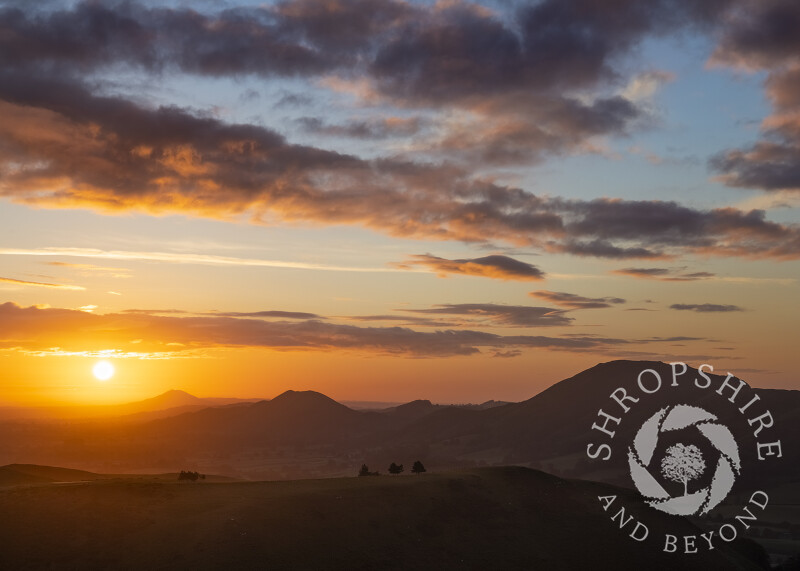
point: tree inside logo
(683, 463)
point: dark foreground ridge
(488, 518)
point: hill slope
(500, 518)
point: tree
(395, 469)
(683, 463)
(364, 470)
(418, 468)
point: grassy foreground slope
(492, 518)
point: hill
(20, 474)
(497, 518)
(170, 403)
(306, 434)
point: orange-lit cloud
(54, 331)
(494, 266)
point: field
(502, 518)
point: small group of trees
(191, 476)
(365, 471)
(417, 468)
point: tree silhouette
(364, 470)
(683, 463)
(418, 468)
(395, 469)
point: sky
(389, 200)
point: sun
(103, 370)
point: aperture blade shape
(723, 440)
(645, 483)
(646, 439)
(721, 485)
(683, 415)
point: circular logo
(683, 463)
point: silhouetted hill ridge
(492, 518)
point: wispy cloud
(498, 314)
(705, 307)
(664, 274)
(91, 268)
(573, 301)
(40, 284)
(184, 258)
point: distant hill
(307, 434)
(14, 475)
(170, 403)
(496, 518)
(553, 428)
(19, 474)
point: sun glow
(103, 370)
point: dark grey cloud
(604, 249)
(705, 307)
(494, 266)
(760, 34)
(460, 53)
(573, 301)
(498, 314)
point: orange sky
(454, 201)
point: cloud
(278, 314)
(40, 284)
(760, 36)
(497, 314)
(54, 331)
(664, 274)
(181, 258)
(705, 307)
(644, 86)
(572, 301)
(410, 320)
(527, 83)
(494, 266)
(269, 314)
(91, 268)
(373, 128)
(66, 147)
